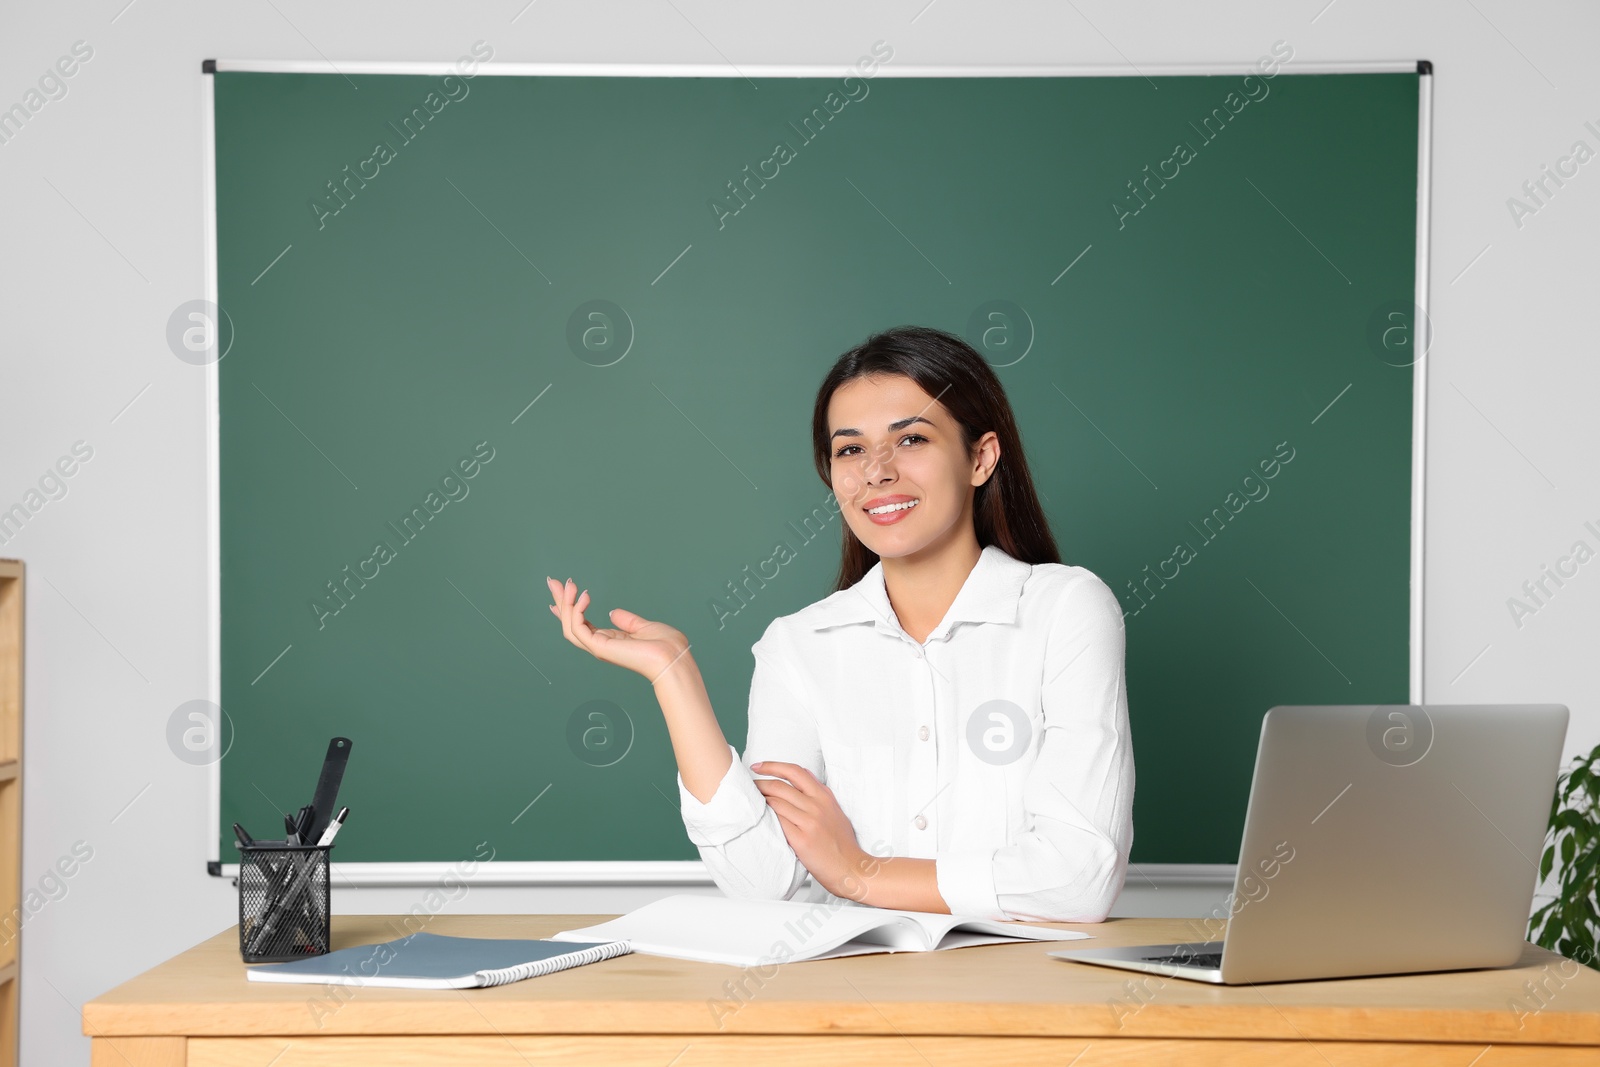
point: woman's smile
(886, 511)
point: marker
(240, 833)
(333, 828)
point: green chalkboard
(543, 281)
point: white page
(751, 933)
(745, 933)
(938, 928)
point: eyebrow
(899, 424)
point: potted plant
(1570, 924)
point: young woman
(947, 731)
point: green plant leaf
(1568, 819)
(1552, 931)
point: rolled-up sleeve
(1070, 860)
(738, 835)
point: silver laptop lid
(1391, 838)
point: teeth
(887, 508)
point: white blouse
(999, 748)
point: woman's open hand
(640, 645)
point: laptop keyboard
(1211, 960)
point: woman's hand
(645, 647)
(817, 829)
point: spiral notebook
(434, 961)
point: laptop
(1387, 839)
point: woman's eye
(903, 440)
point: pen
(326, 839)
(293, 877)
(333, 827)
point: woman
(947, 731)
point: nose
(877, 459)
(873, 472)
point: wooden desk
(996, 1005)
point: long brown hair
(1005, 509)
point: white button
(922, 822)
(922, 733)
(917, 652)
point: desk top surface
(1013, 989)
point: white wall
(102, 240)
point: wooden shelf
(9, 769)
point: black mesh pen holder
(284, 897)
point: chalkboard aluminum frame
(692, 872)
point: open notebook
(751, 933)
(434, 961)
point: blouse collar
(990, 594)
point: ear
(988, 457)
